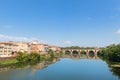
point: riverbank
(115, 65)
(7, 62)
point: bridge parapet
(86, 50)
(80, 50)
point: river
(65, 69)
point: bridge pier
(79, 54)
(71, 53)
(87, 54)
(96, 54)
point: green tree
(34, 57)
(22, 57)
(111, 53)
(51, 52)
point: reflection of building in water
(6, 68)
(39, 66)
(43, 65)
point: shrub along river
(64, 69)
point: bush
(22, 57)
(51, 52)
(112, 53)
(34, 57)
(43, 57)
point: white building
(7, 49)
(22, 46)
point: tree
(34, 57)
(51, 52)
(111, 53)
(22, 57)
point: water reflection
(40, 65)
(82, 64)
(115, 71)
(34, 66)
(82, 56)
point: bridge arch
(75, 52)
(83, 53)
(91, 53)
(67, 52)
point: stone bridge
(79, 51)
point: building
(58, 49)
(22, 46)
(46, 47)
(7, 49)
(55, 48)
(39, 48)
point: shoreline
(115, 65)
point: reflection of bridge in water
(90, 53)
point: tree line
(111, 53)
(34, 57)
(77, 47)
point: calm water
(65, 69)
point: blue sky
(61, 22)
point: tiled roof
(9, 43)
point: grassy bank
(6, 62)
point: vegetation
(43, 57)
(67, 53)
(111, 53)
(77, 47)
(22, 57)
(51, 53)
(8, 62)
(34, 57)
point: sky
(94, 23)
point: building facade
(7, 49)
(22, 46)
(55, 48)
(39, 48)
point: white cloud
(118, 31)
(67, 42)
(13, 38)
